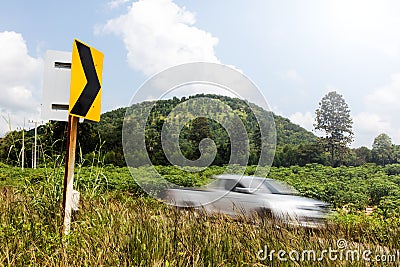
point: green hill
(111, 124)
(106, 136)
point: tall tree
(362, 155)
(333, 117)
(396, 154)
(382, 149)
(200, 129)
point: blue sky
(295, 51)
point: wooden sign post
(72, 132)
(84, 102)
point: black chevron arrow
(92, 86)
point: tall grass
(114, 228)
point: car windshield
(276, 187)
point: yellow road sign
(86, 74)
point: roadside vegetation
(118, 225)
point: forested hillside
(103, 141)
(105, 137)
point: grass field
(117, 225)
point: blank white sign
(56, 85)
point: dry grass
(115, 229)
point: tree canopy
(333, 118)
(382, 148)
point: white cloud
(294, 76)
(117, 3)
(18, 98)
(386, 98)
(366, 23)
(381, 115)
(390, 49)
(370, 123)
(159, 34)
(305, 120)
(20, 75)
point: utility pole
(22, 153)
(23, 146)
(35, 146)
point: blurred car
(237, 195)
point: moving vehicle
(237, 195)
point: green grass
(117, 225)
